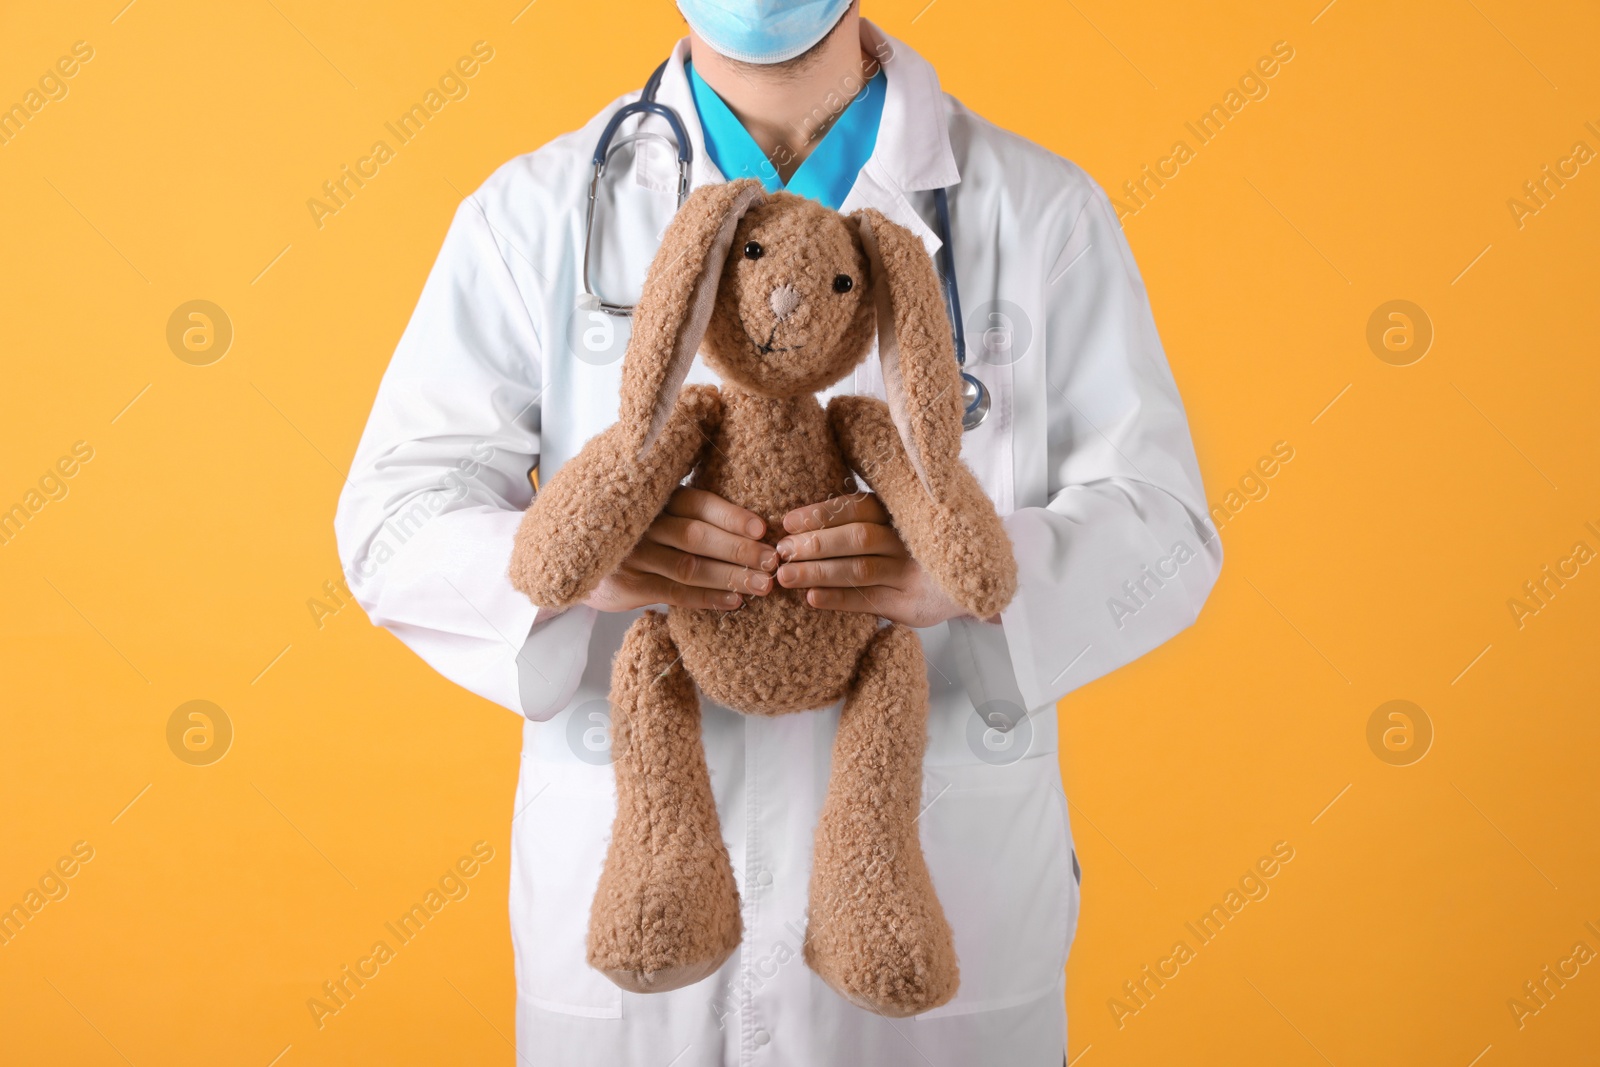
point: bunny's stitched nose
(784, 299)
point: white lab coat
(1086, 453)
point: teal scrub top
(826, 175)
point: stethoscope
(974, 394)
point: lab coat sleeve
(1123, 556)
(440, 480)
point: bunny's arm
(957, 535)
(582, 525)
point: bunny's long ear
(920, 377)
(675, 306)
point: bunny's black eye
(752, 250)
(843, 284)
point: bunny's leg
(877, 934)
(666, 912)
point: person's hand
(701, 552)
(847, 557)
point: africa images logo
(1136, 193)
(1253, 886)
(453, 84)
(453, 885)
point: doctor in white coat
(1085, 451)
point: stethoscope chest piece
(974, 402)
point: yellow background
(1379, 566)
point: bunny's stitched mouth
(768, 348)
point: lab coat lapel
(913, 147)
(913, 151)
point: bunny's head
(794, 309)
(783, 298)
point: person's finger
(701, 572)
(836, 511)
(851, 539)
(849, 572)
(704, 539)
(655, 589)
(699, 504)
(870, 600)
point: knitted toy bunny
(793, 311)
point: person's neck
(788, 107)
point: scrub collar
(826, 175)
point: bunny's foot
(666, 911)
(876, 933)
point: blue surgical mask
(762, 31)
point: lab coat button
(761, 1037)
(764, 878)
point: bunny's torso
(772, 456)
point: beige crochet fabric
(757, 284)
